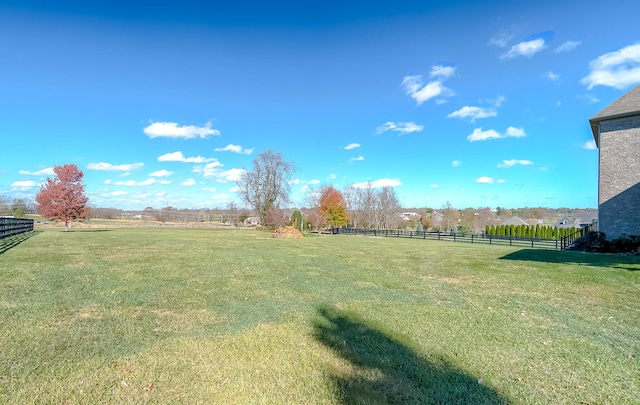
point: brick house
(616, 131)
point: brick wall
(619, 180)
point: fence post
(471, 238)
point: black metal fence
(486, 239)
(14, 226)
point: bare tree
(266, 185)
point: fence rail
(486, 239)
(14, 226)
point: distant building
(616, 131)
(514, 221)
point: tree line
(530, 231)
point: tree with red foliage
(62, 198)
(333, 206)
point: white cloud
(473, 113)
(434, 185)
(179, 157)
(551, 76)
(515, 132)
(44, 172)
(209, 170)
(416, 89)
(189, 182)
(590, 145)
(501, 181)
(294, 181)
(617, 69)
(212, 189)
(117, 193)
(230, 175)
(23, 184)
(161, 173)
(352, 146)
(332, 176)
(379, 183)
(525, 48)
(402, 127)
(567, 46)
(480, 135)
(235, 149)
(173, 130)
(131, 183)
(484, 180)
(314, 182)
(234, 189)
(443, 72)
(455, 163)
(114, 168)
(357, 159)
(512, 162)
(164, 182)
(221, 196)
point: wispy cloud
(421, 92)
(114, 168)
(315, 181)
(357, 159)
(352, 146)
(210, 170)
(378, 183)
(189, 182)
(44, 172)
(173, 130)
(484, 180)
(500, 40)
(473, 113)
(455, 163)
(618, 69)
(512, 162)
(551, 76)
(525, 48)
(231, 175)
(434, 186)
(179, 157)
(590, 145)
(401, 127)
(131, 183)
(480, 135)
(567, 46)
(161, 173)
(235, 149)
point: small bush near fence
(597, 242)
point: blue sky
(165, 103)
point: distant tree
(275, 217)
(19, 208)
(62, 198)
(332, 206)
(266, 184)
(296, 220)
(449, 217)
(419, 229)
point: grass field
(204, 316)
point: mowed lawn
(187, 316)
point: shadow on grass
(13, 241)
(388, 371)
(618, 261)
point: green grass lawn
(204, 316)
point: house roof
(627, 105)
(515, 221)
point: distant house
(616, 131)
(252, 221)
(514, 221)
(578, 222)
